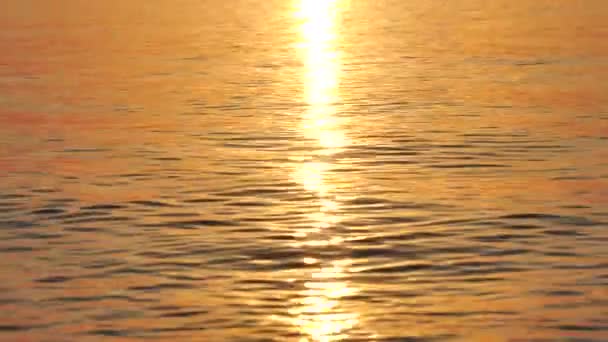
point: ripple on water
(267, 181)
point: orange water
(304, 170)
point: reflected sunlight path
(317, 311)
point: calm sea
(304, 170)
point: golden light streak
(317, 311)
(322, 72)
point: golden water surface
(304, 170)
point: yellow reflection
(318, 312)
(322, 69)
(310, 175)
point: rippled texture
(304, 170)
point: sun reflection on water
(318, 311)
(318, 20)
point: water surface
(304, 170)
